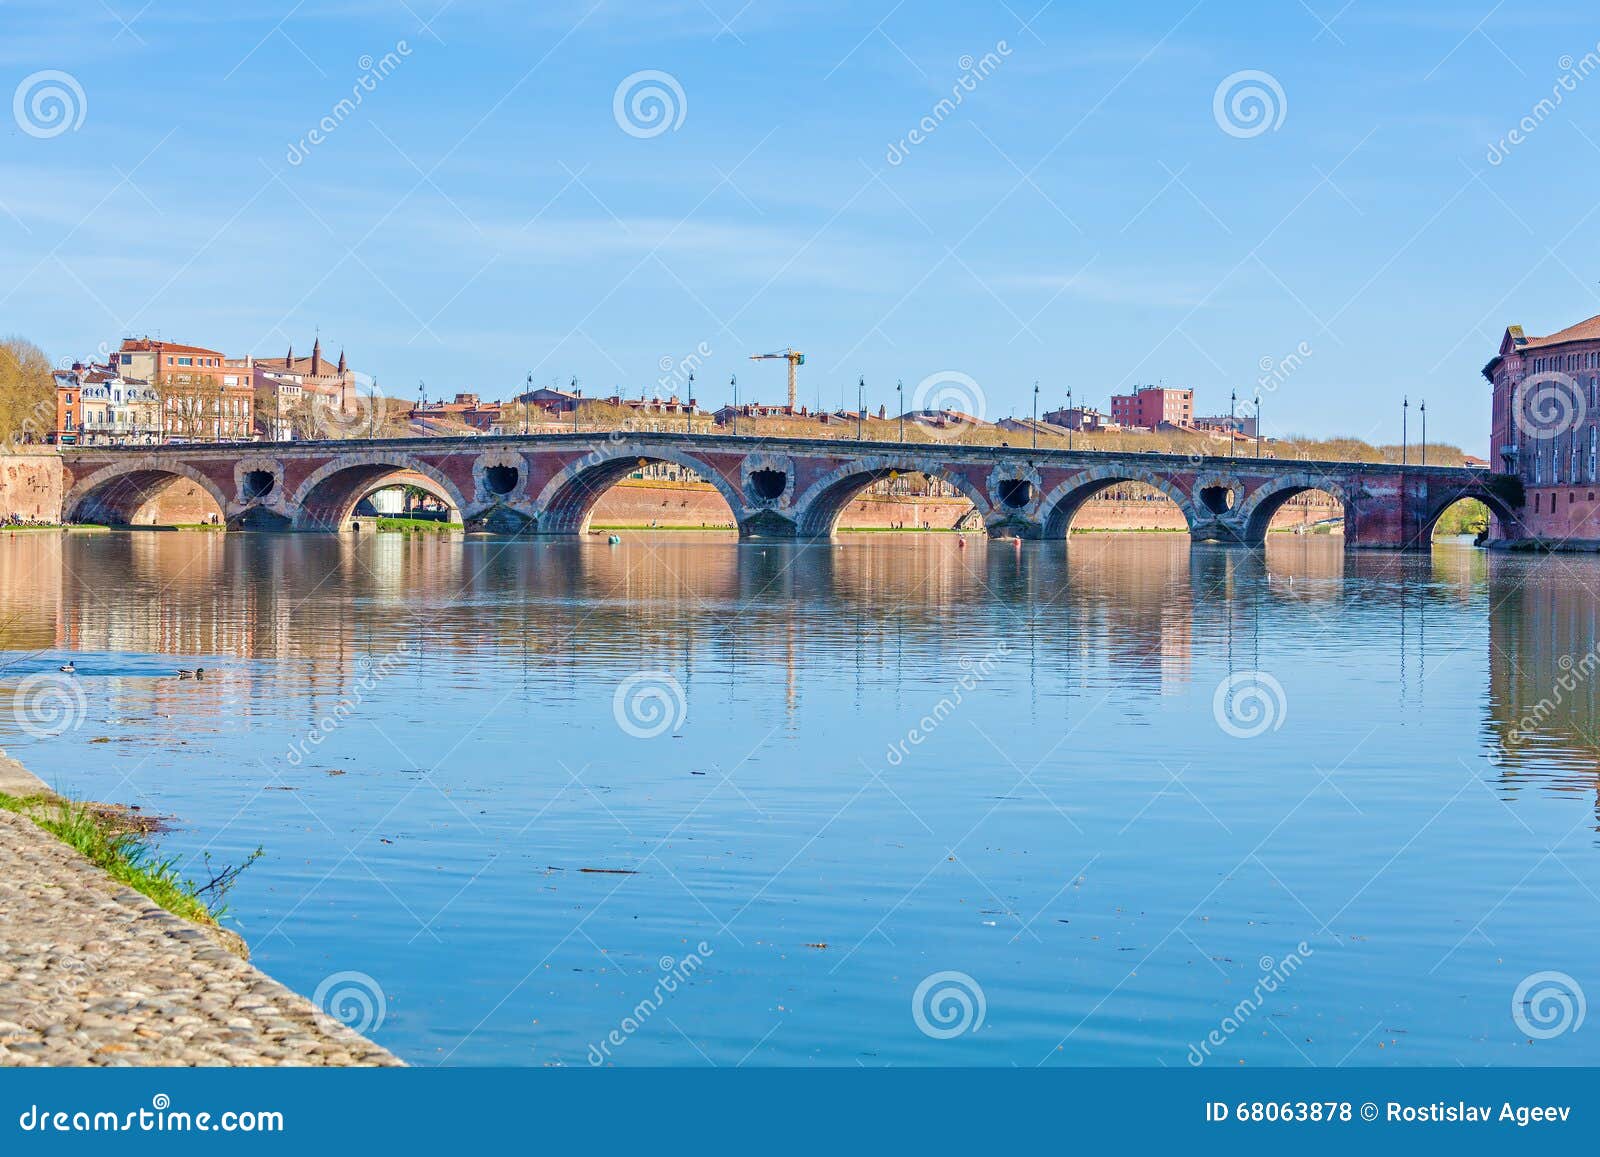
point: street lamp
(1258, 424)
(1035, 415)
(574, 389)
(900, 404)
(1405, 415)
(1424, 411)
(1069, 417)
(733, 381)
(1233, 406)
(527, 400)
(688, 420)
(861, 390)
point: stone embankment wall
(30, 486)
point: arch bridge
(774, 487)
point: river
(686, 801)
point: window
(186, 361)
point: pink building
(1152, 407)
(1546, 403)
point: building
(466, 410)
(1243, 424)
(1083, 418)
(1545, 405)
(1152, 407)
(95, 406)
(552, 399)
(284, 384)
(204, 395)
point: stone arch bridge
(777, 488)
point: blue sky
(1083, 217)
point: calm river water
(1119, 802)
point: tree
(27, 393)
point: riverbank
(94, 973)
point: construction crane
(794, 358)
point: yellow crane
(794, 358)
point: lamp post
(688, 420)
(574, 389)
(1258, 425)
(1035, 415)
(1423, 409)
(1069, 417)
(900, 404)
(1233, 406)
(1405, 416)
(861, 414)
(527, 400)
(733, 381)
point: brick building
(1152, 407)
(96, 406)
(1544, 410)
(205, 396)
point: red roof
(1583, 331)
(145, 344)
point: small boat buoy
(614, 539)
(962, 543)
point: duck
(67, 668)
(197, 673)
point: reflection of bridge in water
(774, 488)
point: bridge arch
(819, 507)
(1509, 524)
(1255, 514)
(1061, 505)
(569, 498)
(326, 499)
(116, 494)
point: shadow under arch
(1510, 525)
(567, 500)
(118, 494)
(326, 499)
(820, 506)
(1061, 505)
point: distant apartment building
(204, 395)
(1083, 418)
(1152, 407)
(96, 406)
(466, 409)
(1241, 424)
(1545, 427)
(283, 386)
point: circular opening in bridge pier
(1016, 492)
(768, 485)
(1217, 499)
(257, 484)
(501, 480)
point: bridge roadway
(774, 487)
